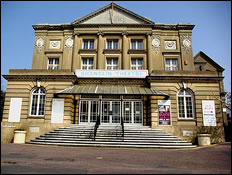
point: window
(137, 64)
(53, 63)
(136, 44)
(38, 102)
(112, 44)
(112, 63)
(88, 44)
(171, 65)
(87, 63)
(185, 104)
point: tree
(228, 99)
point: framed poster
(164, 112)
(208, 109)
(15, 109)
(57, 110)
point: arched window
(38, 101)
(185, 104)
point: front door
(110, 113)
(132, 112)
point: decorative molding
(155, 42)
(100, 33)
(39, 43)
(68, 42)
(186, 42)
(54, 44)
(170, 45)
(124, 33)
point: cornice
(40, 77)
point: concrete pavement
(33, 159)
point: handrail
(122, 124)
(96, 126)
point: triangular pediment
(113, 14)
(202, 58)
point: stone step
(110, 136)
(115, 139)
(116, 145)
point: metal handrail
(96, 126)
(122, 124)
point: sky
(211, 34)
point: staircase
(111, 136)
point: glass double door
(110, 112)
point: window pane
(115, 61)
(140, 45)
(133, 61)
(168, 61)
(140, 62)
(91, 45)
(90, 61)
(84, 61)
(108, 61)
(50, 61)
(85, 45)
(56, 61)
(115, 44)
(133, 45)
(109, 44)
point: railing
(122, 124)
(96, 126)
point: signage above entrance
(111, 73)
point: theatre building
(118, 67)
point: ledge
(112, 51)
(137, 51)
(87, 51)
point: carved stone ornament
(186, 43)
(155, 42)
(39, 43)
(54, 44)
(68, 42)
(170, 44)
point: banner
(164, 112)
(209, 117)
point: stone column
(100, 58)
(125, 57)
(154, 111)
(149, 53)
(76, 58)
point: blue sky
(212, 20)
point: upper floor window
(87, 64)
(112, 63)
(38, 101)
(137, 64)
(171, 65)
(53, 63)
(88, 44)
(185, 104)
(112, 44)
(136, 44)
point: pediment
(202, 58)
(113, 14)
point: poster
(209, 117)
(164, 112)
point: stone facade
(65, 43)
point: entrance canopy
(111, 90)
